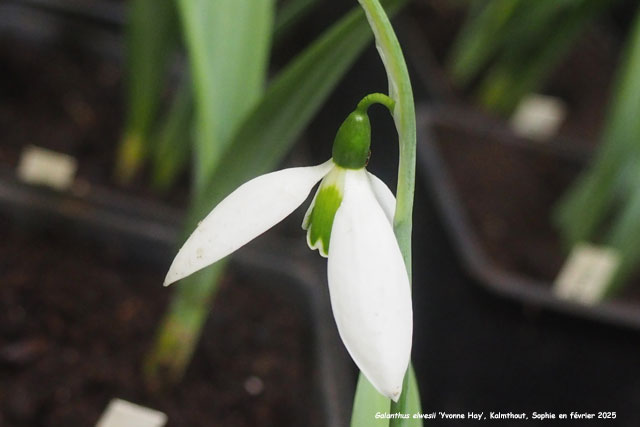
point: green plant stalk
(228, 43)
(171, 145)
(151, 37)
(405, 120)
(590, 199)
(181, 327)
(261, 142)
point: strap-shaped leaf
(480, 37)
(607, 197)
(287, 107)
(152, 34)
(172, 141)
(592, 197)
(538, 41)
(290, 13)
(368, 401)
(228, 43)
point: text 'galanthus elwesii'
(350, 222)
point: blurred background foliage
(506, 50)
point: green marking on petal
(319, 221)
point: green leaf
(171, 145)
(590, 200)
(152, 34)
(291, 12)
(228, 43)
(368, 402)
(410, 404)
(606, 200)
(540, 37)
(181, 327)
(291, 101)
(481, 36)
(623, 236)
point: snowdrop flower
(350, 222)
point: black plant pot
(483, 225)
(488, 339)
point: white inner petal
(369, 287)
(246, 213)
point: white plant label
(538, 117)
(45, 167)
(120, 413)
(586, 273)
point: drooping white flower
(350, 222)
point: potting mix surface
(76, 321)
(508, 191)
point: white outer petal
(384, 196)
(369, 287)
(242, 216)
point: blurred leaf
(480, 37)
(152, 34)
(172, 142)
(518, 42)
(291, 12)
(536, 44)
(409, 404)
(589, 202)
(368, 402)
(228, 46)
(607, 196)
(228, 43)
(624, 236)
(181, 326)
(290, 102)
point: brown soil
(76, 321)
(508, 193)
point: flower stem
(376, 98)
(404, 116)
